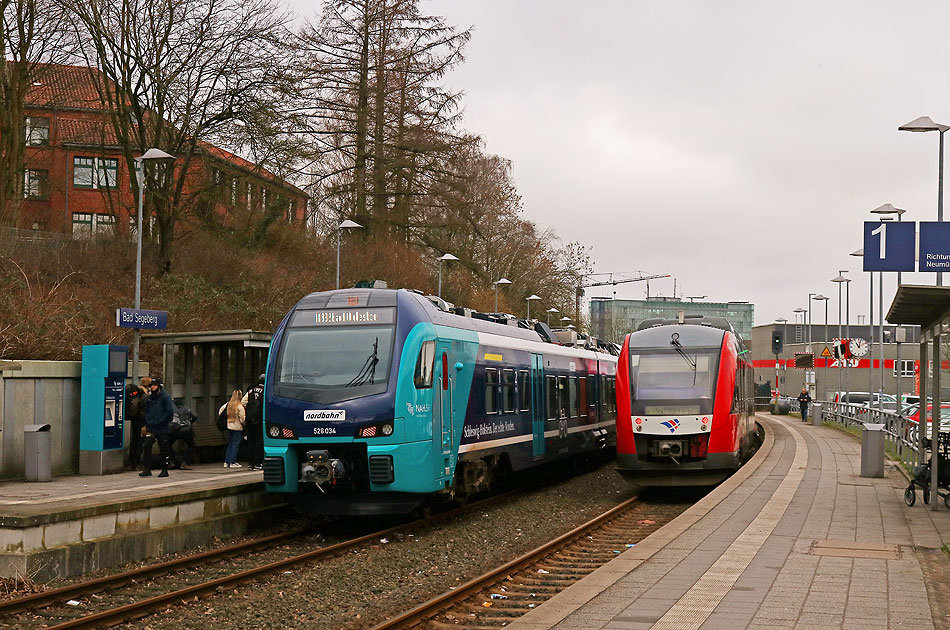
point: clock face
(859, 347)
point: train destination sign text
(343, 317)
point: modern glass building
(612, 319)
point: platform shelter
(929, 308)
(201, 369)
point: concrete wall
(41, 392)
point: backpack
(222, 421)
(254, 412)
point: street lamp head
(924, 123)
(447, 257)
(349, 224)
(533, 297)
(888, 209)
(840, 278)
(155, 154)
(503, 281)
(553, 310)
(857, 252)
(781, 319)
(800, 310)
(821, 297)
(565, 319)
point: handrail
(900, 432)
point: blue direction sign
(889, 246)
(141, 318)
(934, 246)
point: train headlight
(278, 432)
(387, 429)
(273, 431)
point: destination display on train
(343, 317)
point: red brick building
(77, 181)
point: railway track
(497, 597)
(118, 598)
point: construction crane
(610, 282)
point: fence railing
(900, 432)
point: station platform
(75, 524)
(795, 539)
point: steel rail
(141, 608)
(79, 589)
(433, 606)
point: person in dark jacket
(159, 411)
(135, 413)
(803, 400)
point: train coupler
(320, 469)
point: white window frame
(30, 137)
(907, 368)
(29, 192)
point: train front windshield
(329, 356)
(670, 383)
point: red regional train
(685, 402)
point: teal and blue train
(380, 401)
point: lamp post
(839, 281)
(551, 310)
(783, 321)
(151, 154)
(860, 253)
(441, 258)
(810, 297)
(529, 300)
(497, 282)
(922, 124)
(824, 299)
(343, 226)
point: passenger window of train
(591, 391)
(491, 390)
(551, 400)
(508, 390)
(573, 397)
(562, 396)
(611, 395)
(424, 366)
(524, 389)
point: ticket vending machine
(102, 409)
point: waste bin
(872, 450)
(36, 452)
(815, 414)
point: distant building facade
(76, 179)
(612, 319)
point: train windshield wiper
(367, 373)
(691, 360)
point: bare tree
(32, 35)
(177, 74)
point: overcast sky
(735, 145)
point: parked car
(913, 419)
(868, 400)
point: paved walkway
(795, 539)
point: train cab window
(562, 397)
(524, 390)
(491, 390)
(551, 398)
(573, 397)
(508, 390)
(424, 365)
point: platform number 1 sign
(889, 246)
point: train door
(444, 429)
(537, 404)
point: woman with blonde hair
(235, 411)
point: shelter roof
(249, 338)
(921, 305)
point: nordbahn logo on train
(324, 415)
(672, 425)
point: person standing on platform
(803, 400)
(253, 402)
(159, 411)
(235, 414)
(135, 397)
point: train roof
(689, 335)
(488, 323)
(697, 320)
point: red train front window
(667, 382)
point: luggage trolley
(921, 478)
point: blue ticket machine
(102, 409)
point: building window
(82, 225)
(35, 184)
(107, 172)
(104, 225)
(36, 131)
(84, 172)
(907, 367)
